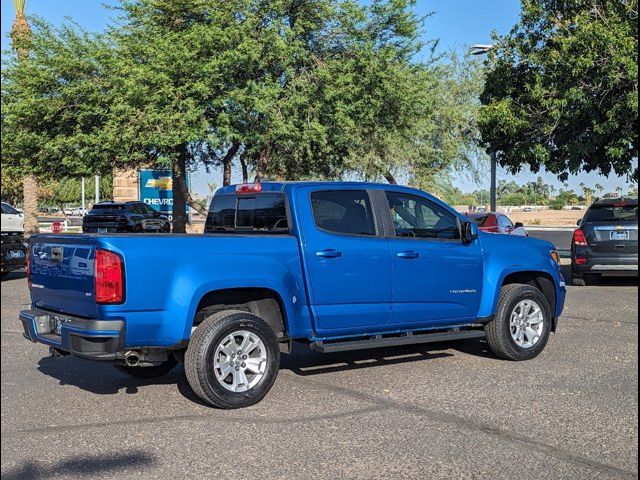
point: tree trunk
(263, 162)
(226, 164)
(390, 178)
(20, 33)
(30, 204)
(181, 195)
(245, 170)
(179, 174)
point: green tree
(288, 88)
(568, 197)
(587, 193)
(561, 90)
(56, 102)
(68, 190)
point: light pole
(483, 49)
(82, 194)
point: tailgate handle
(56, 254)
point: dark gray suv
(606, 242)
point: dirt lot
(564, 218)
(546, 218)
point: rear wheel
(521, 327)
(137, 229)
(149, 372)
(579, 281)
(232, 359)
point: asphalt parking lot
(447, 410)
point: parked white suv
(12, 219)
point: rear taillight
(109, 277)
(579, 238)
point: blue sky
(456, 23)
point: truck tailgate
(62, 269)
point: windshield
(620, 212)
(478, 219)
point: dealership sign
(156, 190)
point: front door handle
(329, 253)
(408, 254)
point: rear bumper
(93, 228)
(82, 337)
(606, 265)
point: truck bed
(165, 276)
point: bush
(557, 204)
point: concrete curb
(542, 228)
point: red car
(497, 223)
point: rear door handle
(329, 253)
(408, 254)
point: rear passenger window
(343, 211)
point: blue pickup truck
(338, 266)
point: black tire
(200, 355)
(579, 281)
(137, 229)
(166, 228)
(149, 372)
(498, 330)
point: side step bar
(408, 339)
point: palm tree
(600, 189)
(20, 31)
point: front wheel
(521, 327)
(232, 359)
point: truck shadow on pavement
(104, 379)
(81, 466)
(100, 378)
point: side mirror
(469, 232)
(518, 225)
(578, 222)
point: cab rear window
(259, 213)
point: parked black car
(135, 217)
(606, 242)
(13, 255)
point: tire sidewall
(234, 323)
(526, 293)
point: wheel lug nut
(243, 365)
(237, 368)
(244, 357)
